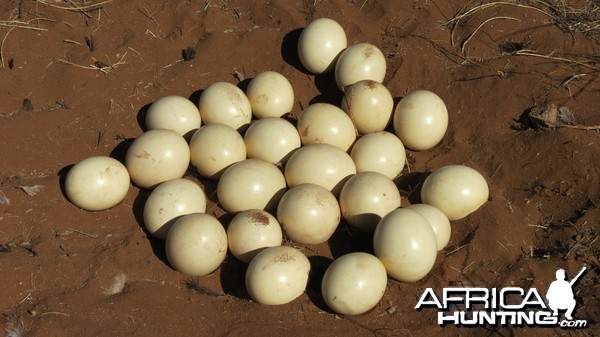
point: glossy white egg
(406, 245)
(456, 190)
(196, 244)
(169, 201)
(271, 139)
(366, 198)
(362, 61)
(354, 283)
(438, 221)
(173, 113)
(214, 147)
(97, 183)
(277, 275)
(250, 184)
(379, 152)
(223, 102)
(325, 123)
(308, 214)
(420, 120)
(369, 104)
(320, 45)
(270, 95)
(157, 156)
(251, 231)
(322, 164)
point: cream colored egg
(277, 275)
(223, 102)
(214, 147)
(456, 190)
(250, 184)
(173, 113)
(196, 244)
(362, 61)
(321, 164)
(354, 283)
(157, 156)
(169, 201)
(438, 221)
(379, 152)
(405, 243)
(328, 124)
(308, 214)
(320, 45)
(420, 120)
(251, 231)
(270, 95)
(272, 139)
(369, 104)
(97, 183)
(366, 198)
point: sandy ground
(75, 82)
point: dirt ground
(76, 79)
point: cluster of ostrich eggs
(295, 178)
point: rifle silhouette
(574, 279)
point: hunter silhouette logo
(560, 294)
(508, 306)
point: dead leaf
(544, 116)
(32, 190)
(566, 115)
(549, 116)
(4, 199)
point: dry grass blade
(75, 7)
(462, 48)
(226, 6)
(2, 47)
(98, 65)
(13, 24)
(21, 25)
(466, 12)
(527, 52)
(475, 9)
(579, 127)
(585, 20)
